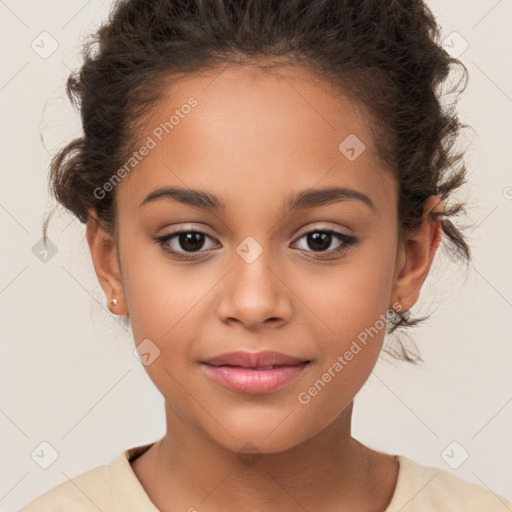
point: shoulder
(109, 487)
(85, 492)
(425, 488)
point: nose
(254, 294)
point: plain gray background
(69, 375)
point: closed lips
(269, 367)
(254, 373)
(265, 360)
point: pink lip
(241, 371)
(253, 359)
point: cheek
(348, 306)
(160, 292)
(347, 300)
(353, 319)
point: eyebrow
(313, 198)
(197, 198)
(305, 199)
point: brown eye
(192, 241)
(183, 242)
(321, 241)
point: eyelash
(348, 242)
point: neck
(329, 471)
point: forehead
(253, 130)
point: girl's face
(264, 275)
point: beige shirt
(114, 487)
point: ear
(105, 260)
(415, 255)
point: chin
(261, 435)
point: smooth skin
(253, 139)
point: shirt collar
(127, 491)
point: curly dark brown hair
(384, 53)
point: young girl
(264, 186)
